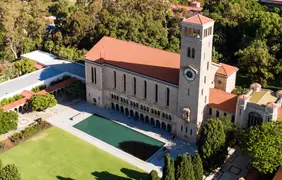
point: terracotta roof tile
(198, 19)
(226, 70)
(14, 104)
(187, 8)
(27, 94)
(142, 59)
(57, 86)
(278, 175)
(222, 100)
(138, 58)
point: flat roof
(53, 61)
(263, 97)
(27, 80)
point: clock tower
(194, 74)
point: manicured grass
(55, 154)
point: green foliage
(42, 102)
(153, 175)
(6, 101)
(30, 130)
(10, 172)
(2, 146)
(38, 88)
(23, 66)
(211, 144)
(263, 144)
(66, 77)
(258, 62)
(240, 90)
(185, 170)
(197, 167)
(168, 169)
(76, 89)
(8, 121)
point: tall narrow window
(210, 111)
(205, 79)
(189, 52)
(208, 65)
(95, 78)
(202, 92)
(167, 96)
(124, 82)
(156, 93)
(217, 113)
(193, 53)
(205, 99)
(188, 92)
(134, 86)
(115, 79)
(145, 89)
(191, 132)
(92, 74)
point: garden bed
(24, 135)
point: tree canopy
(264, 146)
(42, 102)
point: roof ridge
(132, 42)
(200, 19)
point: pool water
(119, 136)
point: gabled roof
(198, 19)
(226, 70)
(27, 94)
(222, 100)
(156, 63)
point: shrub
(60, 80)
(30, 130)
(2, 145)
(8, 121)
(9, 172)
(38, 88)
(75, 89)
(6, 101)
(42, 102)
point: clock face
(189, 74)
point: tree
(153, 175)
(8, 121)
(10, 172)
(186, 168)
(42, 102)
(211, 144)
(75, 90)
(168, 169)
(258, 62)
(264, 146)
(197, 167)
(23, 66)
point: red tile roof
(38, 66)
(226, 70)
(14, 104)
(278, 175)
(135, 57)
(187, 8)
(27, 94)
(57, 86)
(198, 19)
(222, 100)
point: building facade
(175, 92)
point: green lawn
(56, 154)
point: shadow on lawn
(64, 178)
(131, 174)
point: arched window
(254, 119)
(189, 52)
(193, 53)
(167, 96)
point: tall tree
(211, 144)
(186, 168)
(168, 169)
(197, 167)
(264, 146)
(23, 66)
(153, 175)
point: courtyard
(55, 154)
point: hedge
(30, 130)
